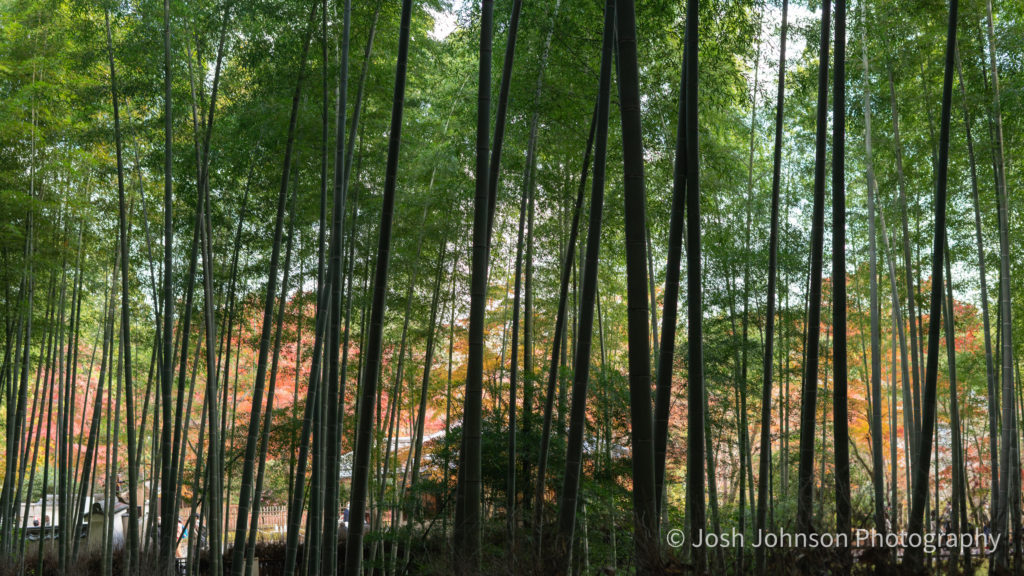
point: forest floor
(431, 554)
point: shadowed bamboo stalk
(581, 375)
(644, 496)
(919, 495)
(764, 462)
(878, 474)
(369, 381)
(809, 392)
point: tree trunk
(557, 345)
(494, 167)
(248, 465)
(920, 472)
(1008, 495)
(809, 394)
(167, 339)
(85, 485)
(126, 344)
(669, 314)
(335, 397)
(912, 315)
(764, 463)
(250, 544)
(900, 334)
(581, 374)
(492, 190)
(529, 374)
(990, 378)
(428, 363)
(368, 386)
(958, 512)
(743, 424)
(878, 474)
(644, 496)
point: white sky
(445, 22)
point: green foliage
(57, 172)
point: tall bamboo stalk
(764, 463)
(809, 392)
(368, 385)
(920, 473)
(574, 447)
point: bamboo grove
(570, 287)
